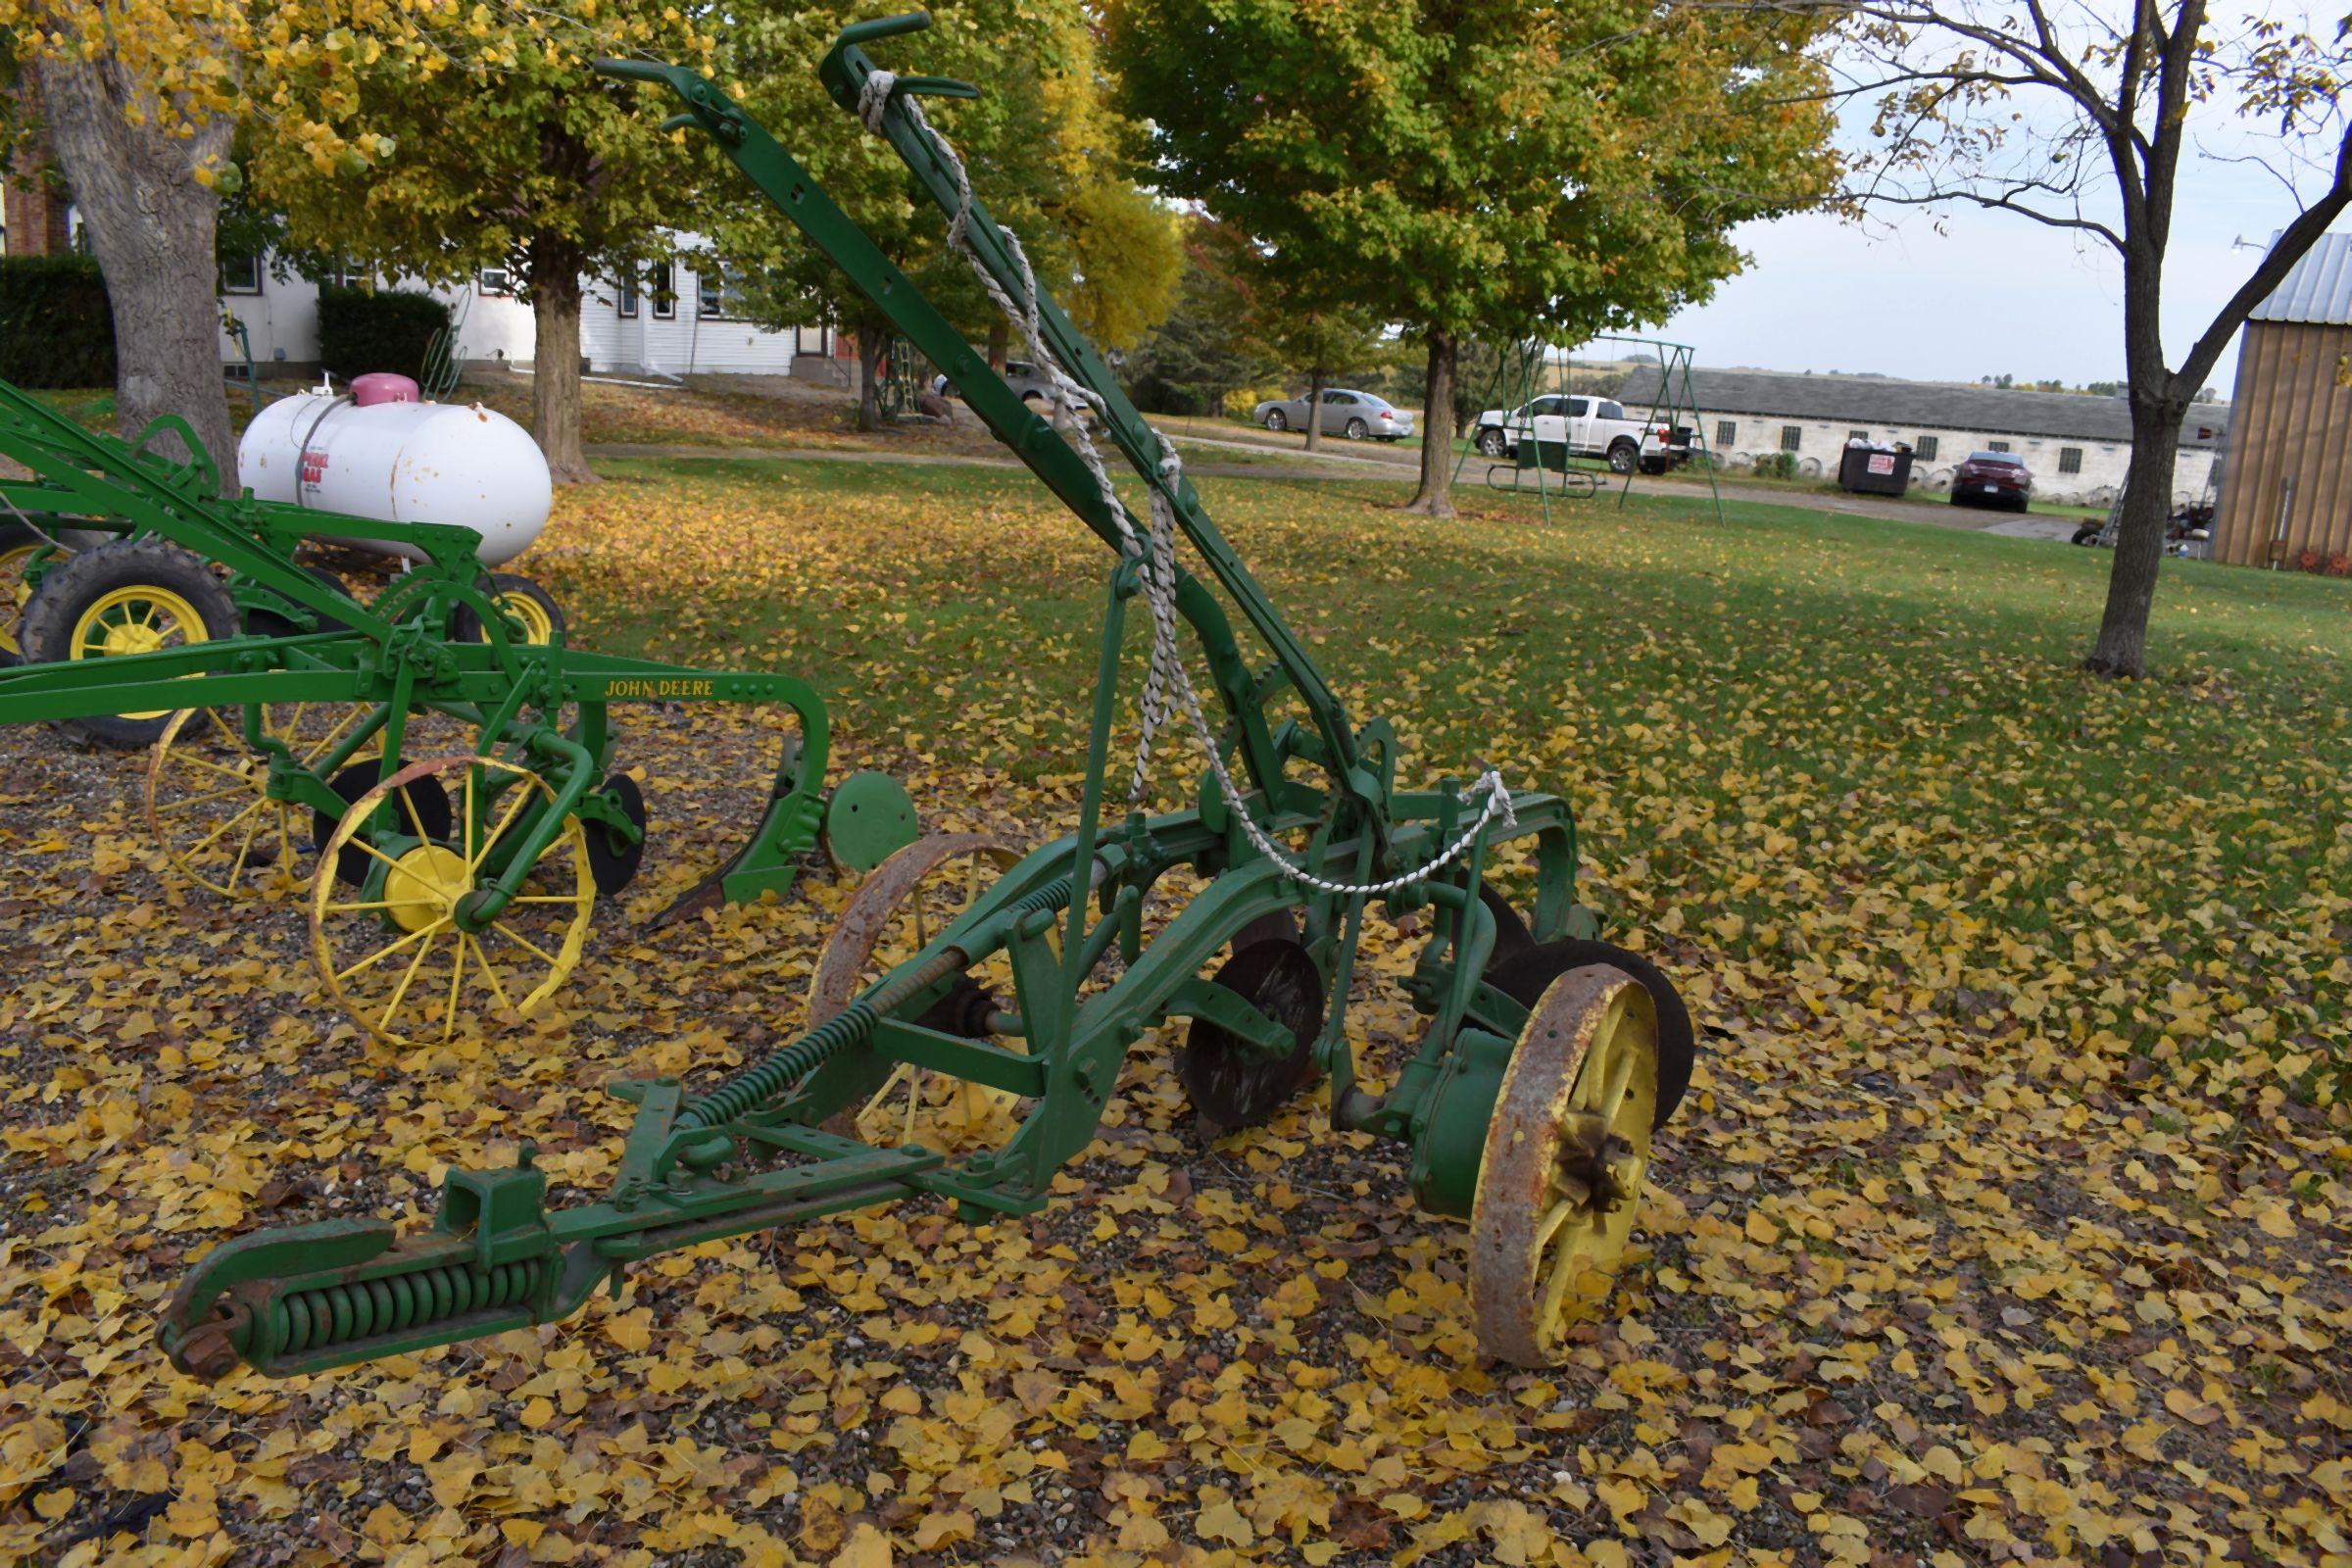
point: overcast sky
(1992, 294)
(1995, 293)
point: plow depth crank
(967, 1028)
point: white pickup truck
(1590, 427)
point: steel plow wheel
(406, 953)
(1565, 1155)
(207, 796)
(897, 911)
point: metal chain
(1157, 554)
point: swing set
(1529, 368)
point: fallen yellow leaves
(2005, 1221)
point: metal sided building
(2286, 495)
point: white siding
(1821, 443)
(283, 323)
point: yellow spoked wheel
(402, 952)
(18, 546)
(207, 804)
(1564, 1159)
(901, 906)
(143, 618)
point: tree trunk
(1435, 495)
(2122, 642)
(151, 227)
(555, 371)
(1000, 345)
(1314, 409)
(869, 371)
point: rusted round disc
(1565, 1154)
(1230, 1083)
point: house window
(666, 292)
(718, 293)
(627, 302)
(495, 281)
(1925, 451)
(1727, 434)
(2070, 459)
(1862, 436)
(241, 274)
(1996, 446)
(1792, 436)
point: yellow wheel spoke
(205, 842)
(545, 898)
(237, 868)
(481, 957)
(365, 848)
(354, 908)
(502, 929)
(456, 979)
(408, 803)
(385, 953)
(522, 795)
(186, 800)
(401, 989)
(222, 768)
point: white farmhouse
(668, 327)
(2075, 447)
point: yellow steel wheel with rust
(1564, 1159)
(19, 544)
(207, 797)
(900, 907)
(122, 598)
(403, 955)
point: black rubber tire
(2088, 535)
(1623, 456)
(1276, 422)
(1490, 441)
(270, 623)
(1358, 429)
(78, 581)
(466, 626)
(1654, 466)
(1524, 977)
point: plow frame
(754, 1152)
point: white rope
(1157, 554)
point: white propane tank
(440, 462)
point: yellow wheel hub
(530, 614)
(138, 619)
(423, 886)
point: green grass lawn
(1853, 762)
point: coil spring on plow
(339, 1314)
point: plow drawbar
(967, 1026)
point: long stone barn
(2075, 447)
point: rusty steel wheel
(897, 911)
(1565, 1155)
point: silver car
(1029, 383)
(1358, 416)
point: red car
(1992, 479)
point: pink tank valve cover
(383, 386)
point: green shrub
(56, 329)
(1777, 466)
(360, 330)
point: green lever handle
(640, 69)
(882, 28)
